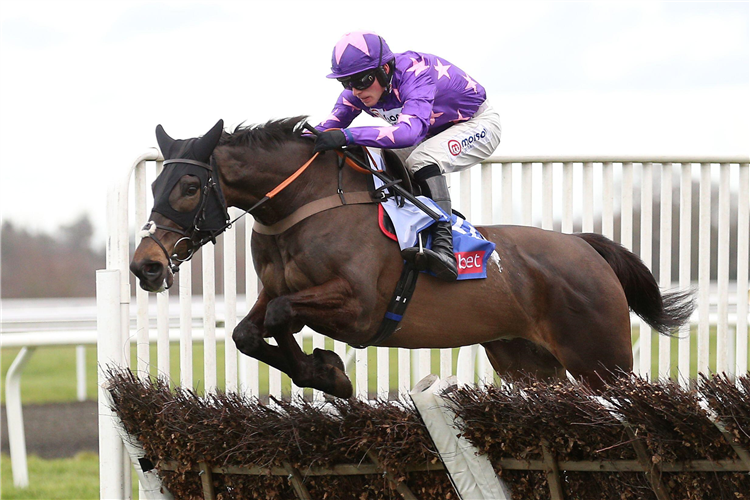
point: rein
(191, 235)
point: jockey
(439, 121)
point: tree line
(50, 265)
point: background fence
(648, 204)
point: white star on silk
(386, 132)
(470, 84)
(347, 103)
(442, 69)
(417, 67)
(331, 117)
(404, 118)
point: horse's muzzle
(153, 275)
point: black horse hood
(210, 216)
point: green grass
(74, 478)
(50, 374)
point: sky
(84, 83)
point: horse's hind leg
(595, 347)
(518, 357)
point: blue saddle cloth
(471, 249)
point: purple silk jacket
(429, 95)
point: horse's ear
(206, 144)
(163, 139)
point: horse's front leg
(249, 337)
(332, 303)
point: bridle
(195, 235)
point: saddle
(395, 169)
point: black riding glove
(330, 139)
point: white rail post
(704, 268)
(587, 219)
(186, 325)
(14, 412)
(722, 275)
(646, 251)
(665, 261)
(527, 194)
(486, 371)
(567, 198)
(506, 214)
(110, 353)
(360, 370)
(81, 372)
(547, 196)
(608, 219)
(626, 229)
(743, 257)
(142, 298)
(686, 198)
(626, 210)
(404, 372)
(209, 317)
(163, 362)
(466, 366)
(383, 373)
(230, 307)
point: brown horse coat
(550, 302)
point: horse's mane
(270, 135)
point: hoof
(342, 386)
(325, 373)
(321, 356)
(333, 381)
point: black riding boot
(439, 260)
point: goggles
(360, 81)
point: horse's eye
(191, 190)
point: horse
(551, 302)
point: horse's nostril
(152, 270)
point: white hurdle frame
(567, 193)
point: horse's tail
(664, 313)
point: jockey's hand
(330, 139)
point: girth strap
(312, 208)
(397, 306)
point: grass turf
(75, 478)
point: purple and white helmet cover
(358, 51)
